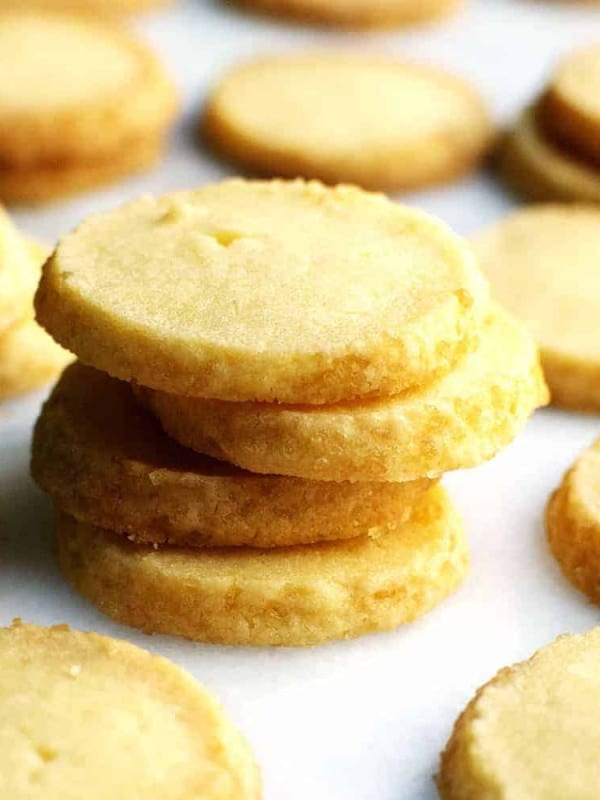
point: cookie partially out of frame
(533, 731)
(83, 715)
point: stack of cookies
(28, 356)
(82, 104)
(277, 374)
(554, 151)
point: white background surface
(361, 720)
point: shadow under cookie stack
(273, 376)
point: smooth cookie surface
(104, 460)
(271, 290)
(288, 596)
(17, 285)
(382, 124)
(542, 263)
(533, 731)
(457, 421)
(573, 523)
(100, 91)
(82, 715)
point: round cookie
(17, 284)
(356, 13)
(265, 290)
(457, 421)
(42, 182)
(83, 715)
(105, 460)
(540, 170)
(533, 731)
(573, 523)
(288, 596)
(29, 358)
(570, 108)
(106, 7)
(542, 263)
(99, 94)
(382, 124)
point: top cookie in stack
(329, 341)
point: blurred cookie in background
(379, 123)
(356, 13)
(542, 263)
(82, 102)
(106, 7)
(553, 152)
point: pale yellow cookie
(570, 109)
(40, 183)
(289, 596)
(99, 94)
(104, 460)
(543, 266)
(86, 716)
(533, 732)
(356, 13)
(540, 170)
(456, 421)
(382, 124)
(29, 358)
(106, 7)
(17, 284)
(573, 523)
(267, 290)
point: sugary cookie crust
(290, 596)
(456, 421)
(320, 116)
(532, 731)
(17, 284)
(573, 523)
(40, 184)
(62, 692)
(542, 265)
(356, 13)
(93, 124)
(540, 170)
(104, 460)
(268, 290)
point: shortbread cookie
(106, 7)
(41, 183)
(356, 13)
(104, 460)
(540, 170)
(457, 421)
(570, 109)
(573, 523)
(83, 715)
(543, 266)
(269, 290)
(288, 596)
(29, 358)
(101, 92)
(17, 285)
(382, 124)
(533, 732)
